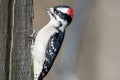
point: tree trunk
(20, 47)
(15, 25)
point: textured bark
(15, 25)
(4, 50)
(20, 56)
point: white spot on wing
(55, 49)
(46, 59)
(45, 67)
(51, 53)
(43, 74)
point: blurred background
(91, 48)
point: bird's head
(61, 13)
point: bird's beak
(47, 8)
(50, 11)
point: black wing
(52, 50)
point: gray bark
(4, 43)
(20, 56)
(15, 25)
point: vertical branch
(11, 21)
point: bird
(49, 39)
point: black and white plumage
(52, 49)
(49, 40)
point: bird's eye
(57, 12)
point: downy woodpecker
(49, 39)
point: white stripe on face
(63, 10)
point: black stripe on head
(66, 17)
(62, 15)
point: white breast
(38, 52)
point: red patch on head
(70, 12)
